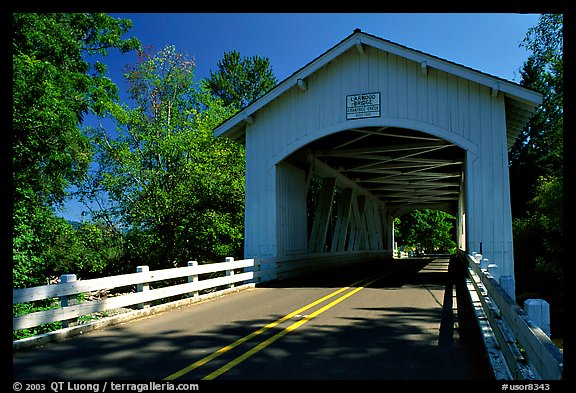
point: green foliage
(539, 239)
(52, 91)
(536, 164)
(538, 151)
(46, 246)
(168, 191)
(88, 251)
(54, 87)
(239, 81)
(32, 230)
(176, 190)
(536, 173)
(426, 230)
(27, 308)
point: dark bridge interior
(402, 167)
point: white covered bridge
(366, 132)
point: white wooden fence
(236, 272)
(517, 348)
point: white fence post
(229, 272)
(493, 270)
(193, 278)
(142, 287)
(477, 257)
(69, 300)
(538, 311)
(507, 283)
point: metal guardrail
(517, 348)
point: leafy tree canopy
(426, 230)
(538, 151)
(239, 81)
(176, 190)
(54, 86)
(536, 167)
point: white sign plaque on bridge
(360, 106)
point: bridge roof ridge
(525, 99)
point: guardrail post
(229, 272)
(538, 311)
(507, 283)
(143, 286)
(193, 278)
(68, 300)
(493, 270)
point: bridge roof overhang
(521, 102)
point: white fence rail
(518, 349)
(236, 272)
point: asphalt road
(392, 320)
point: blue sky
(488, 42)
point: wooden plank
(369, 225)
(72, 288)
(355, 224)
(352, 232)
(364, 244)
(373, 227)
(322, 215)
(380, 227)
(292, 232)
(392, 85)
(402, 92)
(360, 222)
(342, 220)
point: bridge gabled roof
(521, 102)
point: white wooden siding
(443, 101)
(291, 221)
(260, 204)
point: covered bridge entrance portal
(368, 131)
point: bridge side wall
(487, 190)
(453, 108)
(292, 229)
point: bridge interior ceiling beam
(401, 167)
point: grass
(27, 308)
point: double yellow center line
(361, 284)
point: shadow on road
(387, 343)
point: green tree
(54, 86)
(177, 192)
(536, 169)
(426, 230)
(239, 81)
(538, 150)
